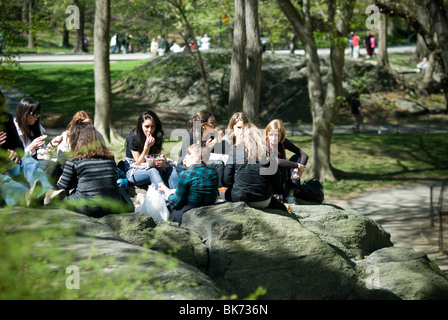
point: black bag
(311, 190)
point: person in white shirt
(205, 42)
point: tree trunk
(440, 17)
(254, 52)
(383, 58)
(65, 37)
(324, 107)
(31, 23)
(437, 14)
(238, 63)
(103, 99)
(79, 42)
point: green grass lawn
(370, 162)
(65, 89)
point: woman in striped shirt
(90, 175)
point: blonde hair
(201, 151)
(254, 145)
(279, 126)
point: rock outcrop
(172, 82)
(317, 252)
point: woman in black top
(146, 139)
(290, 170)
(249, 173)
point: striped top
(90, 177)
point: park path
(404, 212)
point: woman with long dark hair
(31, 133)
(145, 142)
(27, 121)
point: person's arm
(68, 179)
(296, 150)
(228, 176)
(180, 197)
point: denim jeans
(13, 192)
(144, 177)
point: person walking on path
(356, 112)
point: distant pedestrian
(113, 43)
(205, 42)
(350, 40)
(1, 43)
(356, 112)
(161, 43)
(372, 44)
(355, 40)
(154, 47)
(367, 44)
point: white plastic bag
(154, 205)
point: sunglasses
(34, 114)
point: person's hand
(37, 143)
(160, 161)
(13, 157)
(298, 171)
(2, 137)
(56, 141)
(150, 140)
(220, 134)
(162, 187)
(210, 143)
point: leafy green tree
(426, 17)
(325, 104)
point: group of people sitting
(251, 166)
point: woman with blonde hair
(248, 174)
(292, 170)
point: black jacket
(246, 181)
(7, 125)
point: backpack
(311, 190)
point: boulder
(411, 108)
(141, 230)
(109, 267)
(319, 251)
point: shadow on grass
(414, 157)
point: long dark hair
(28, 106)
(140, 137)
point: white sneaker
(52, 195)
(34, 195)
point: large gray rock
(140, 229)
(107, 263)
(318, 251)
(250, 248)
